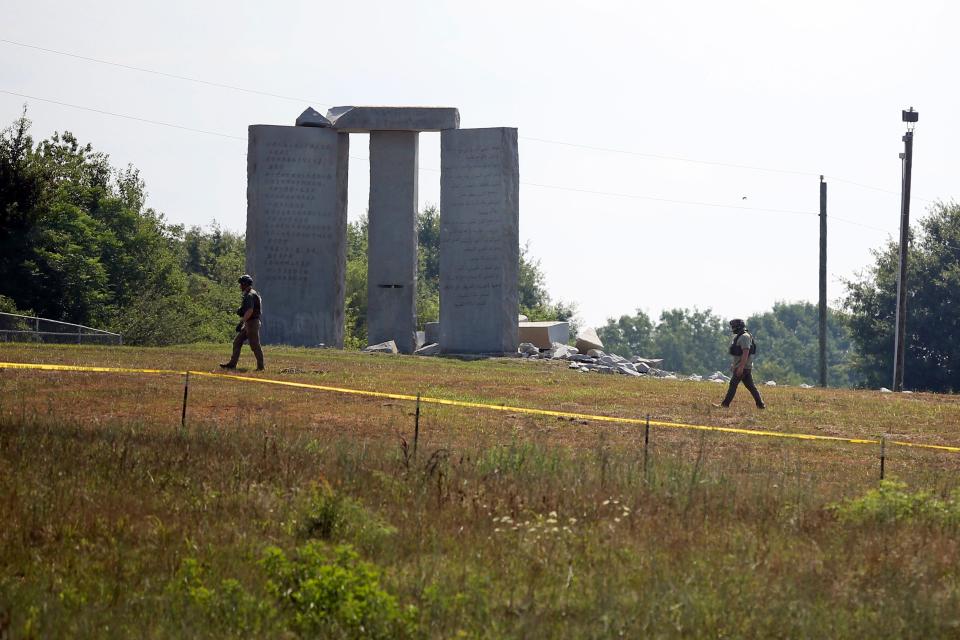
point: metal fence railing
(18, 328)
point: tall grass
(264, 528)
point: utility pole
(823, 283)
(910, 117)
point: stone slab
(479, 240)
(351, 119)
(588, 339)
(544, 334)
(296, 231)
(392, 239)
(432, 349)
(384, 347)
(431, 332)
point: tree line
(79, 244)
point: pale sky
(799, 88)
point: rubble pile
(597, 360)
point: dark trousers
(747, 379)
(251, 333)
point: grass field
(282, 512)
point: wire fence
(18, 328)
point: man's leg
(752, 388)
(253, 334)
(237, 345)
(731, 390)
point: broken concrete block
(593, 353)
(563, 352)
(544, 334)
(522, 318)
(431, 332)
(432, 349)
(642, 368)
(587, 339)
(528, 348)
(312, 118)
(384, 347)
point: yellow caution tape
(477, 405)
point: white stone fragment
(384, 347)
(528, 348)
(563, 352)
(428, 350)
(587, 339)
(544, 334)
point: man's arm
(247, 314)
(744, 357)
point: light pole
(910, 117)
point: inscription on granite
(296, 231)
(479, 240)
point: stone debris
(770, 383)
(312, 118)
(588, 339)
(529, 349)
(384, 347)
(650, 362)
(806, 386)
(562, 352)
(718, 376)
(544, 334)
(885, 390)
(432, 349)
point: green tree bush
(78, 244)
(932, 340)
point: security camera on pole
(910, 117)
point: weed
(335, 594)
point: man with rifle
(248, 329)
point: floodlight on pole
(899, 350)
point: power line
(531, 184)
(714, 163)
(668, 200)
(120, 115)
(175, 76)
(641, 154)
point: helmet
(245, 280)
(737, 325)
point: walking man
(248, 328)
(742, 351)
